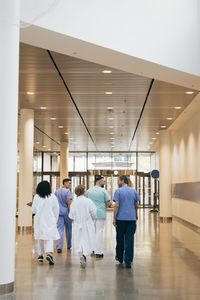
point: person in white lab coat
(46, 210)
(83, 213)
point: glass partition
(77, 162)
(47, 163)
(37, 162)
(55, 160)
(111, 161)
(84, 165)
(144, 162)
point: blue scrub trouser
(125, 239)
(64, 222)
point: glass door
(144, 189)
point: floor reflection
(166, 265)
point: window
(144, 162)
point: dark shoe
(99, 255)
(83, 261)
(117, 259)
(49, 258)
(128, 266)
(69, 248)
(59, 250)
(40, 258)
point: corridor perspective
(166, 266)
(99, 149)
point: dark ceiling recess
(70, 95)
(46, 135)
(141, 113)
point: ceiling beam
(70, 95)
(141, 113)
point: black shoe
(49, 258)
(83, 261)
(128, 266)
(117, 259)
(99, 255)
(69, 248)
(40, 258)
(59, 250)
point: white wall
(145, 35)
(186, 160)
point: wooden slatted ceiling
(88, 85)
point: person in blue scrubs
(125, 216)
(64, 197)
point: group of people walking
(83, 219)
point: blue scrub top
(62, 195)
(127, 197)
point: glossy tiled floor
(166, 266)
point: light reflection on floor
(166, 266)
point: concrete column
(165, 174)
(63, 161)
(26, 167)
(9, 62)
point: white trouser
(48, 246)
(99, 235)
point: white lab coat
(46, 212)
(83, 212)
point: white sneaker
(83, 261)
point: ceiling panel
(88, 86)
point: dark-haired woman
(46, 210)
(83, 212)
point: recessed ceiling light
(177, 107)
(43, 107)
(66, 133)
(110, 118)
(44, 146)
(189, 92)
(150, 143)
(30, 93)
(111, 132)
(163, 126)
(60, 126)
(37, 143)
(111, 127)
(108, 93)
(112, 138)
(106, 71)
(109, 107)
(153, 138)
(49, 149)
(53, 119)
(157, 133)
(170, 119)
